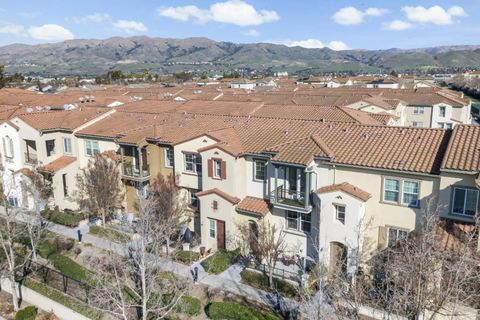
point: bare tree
(170, 211)
(39, 189)
(266, 242)
(99, 186)
(135, 286)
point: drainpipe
(140, 161)
(275, 174)
(307, 188)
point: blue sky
(338, 24)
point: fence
(57, 280)
(279, 273)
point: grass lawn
(70, 268)
(63, 299)
(260, 281)
(110, 234)
(235, 311)
(220, 261)
(186, 257)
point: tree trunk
(103, 217)
(167, 251)
(270, 277)
(34, 249)
(13, 287)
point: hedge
(69, 219)
(260, 281)
(28, 313)
(189, 305)
(69, 302)
(45, 249)
(220, 261)
(235, 311)
(186, 257)
(110, 234)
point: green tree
(2, 76)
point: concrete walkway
(228, 281)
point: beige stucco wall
(448, 180)
(425, 118)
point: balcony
(31, 158)
(133, 172)
(289, 197)
(291, 189)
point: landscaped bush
(70, 268)
(63, 244)
(189, 305)
(69, 219)
(260, 281)
(46, 248)
(235, 311)
(186, 257)
(28, 313)
(220, 261)
(63, 299)
(110, 234)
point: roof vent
(365, 135)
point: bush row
(69, 219)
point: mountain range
(89, 57)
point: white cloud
(315, 44)
(94, 17)
(397, 25)
(12, 29)
(252, 33)
(434, 15)
(235, 12)
(50, 32)
(129, 26)
(350, 15)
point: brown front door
(220, 235)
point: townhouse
(335, 180)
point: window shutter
(4, 147)
(382, 238)
(210, 168)
(11, 147)
(224, 170)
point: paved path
(228, 280)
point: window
(193, 163)
(65, 187)
(91, 147)
(299, 221)
(13, 201)
(418, 110)
(410, 193)
(417, 124)
(67, 145)
(169, 158)
(445, 125)
(465, 201)
(395, 235)
(217, 168)
(391, 190)
(212, 226)
(8, 146)
(259, 170)
(442, 111)
(193, 201)
(50, 145)
(340, 213)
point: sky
(337, 24)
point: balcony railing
(132, 171)
(289, 197)
(31, 158)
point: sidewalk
(228, 280)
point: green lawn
(69, 219)
(220, 261)
(70, 268)
(110, 234)
(186, 257)
(67, 301)
(260, 281)
(235, 311)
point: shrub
(189, 305)
(28, 313)
(260, 281)
(69, 219)
(63, 244)
(61, 298)
(220, 261)
(235, 311)
(110, 234)
(186, 257)
(46, 249)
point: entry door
(220, 235)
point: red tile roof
(57, 164)
(347, 188)
(463, 152)
(254, 205)
(218, 192)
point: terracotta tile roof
(254, 205)
(463, 152)
(347, 188)
(57, 164)
(226, 196)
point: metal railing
(278, 273)
(130, 170)
(286, 196)
(31, 158)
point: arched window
(8, 146)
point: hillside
(93, 57)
